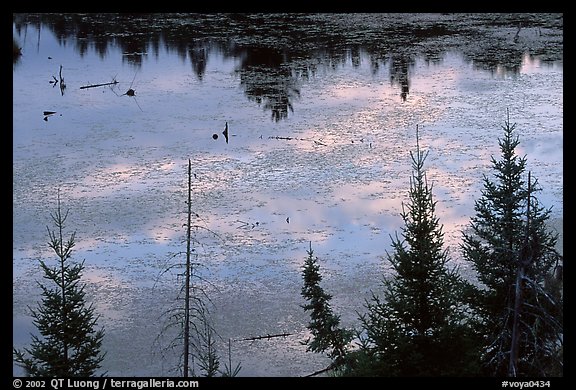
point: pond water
(317, 152)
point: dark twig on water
(62, 84)
(270, 336)
(246, 225)
(287, 138)
(225, 132)
(297, 139)
(132, 93)
(60, 81)
(47, 114)
(99, 85)
(329, 368)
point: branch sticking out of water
(62, 84)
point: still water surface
(316, 153)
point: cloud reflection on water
(341, 180)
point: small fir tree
(327, 335)
(419, 326)
(514, 255)
(69, 345)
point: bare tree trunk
(188, 274)
(523, 260)
(62, 255)
(517, 304)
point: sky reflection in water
(340, 179)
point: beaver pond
(321, 113)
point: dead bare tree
(190, 317)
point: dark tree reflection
(198, 58)
(278, 51)
(399, 67)
(133, 50)
(268, 80)
(16, 52)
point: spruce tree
(513, 253)
(418, 327)
(69, 345)
(327, 335)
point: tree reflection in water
(267, 80)
(276, 50)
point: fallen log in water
(99, 85)
(270, 336)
